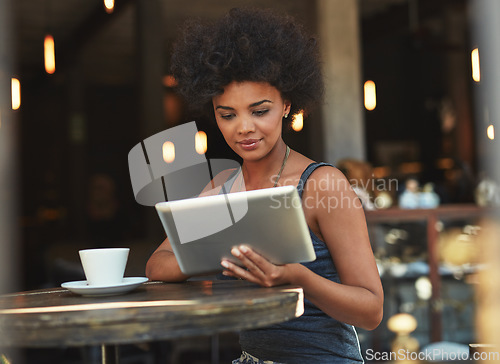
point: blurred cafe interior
(410, 115)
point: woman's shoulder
(324, 169)
(327, 178)
(315, 175)
(319, 169)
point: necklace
(287, 153)
(283, 164)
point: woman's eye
(227, 116)
(260, 112)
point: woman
(253, 69)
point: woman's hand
(259, 269)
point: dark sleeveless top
(313, 337)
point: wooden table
(154, 311)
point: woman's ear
(287, 108)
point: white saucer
(82, 288)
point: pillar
(77, 134)
(151, 64)
(9, 219)
(343, 124)
(487, 29)
(458, 78)
(151, 67)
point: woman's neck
(262, 173)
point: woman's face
(249, 115)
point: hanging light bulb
(476, 71)
(298, 121)
(168, 150)
(370, 95)
(200, 142)
(109, 6)
(49, 54)
(16, 93)
(490, 132)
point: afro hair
(247, 45)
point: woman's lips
(249, 144)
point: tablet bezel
(274, 226)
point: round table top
(153, 311)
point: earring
(286, 115)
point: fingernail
(235, 252)
(224, 264)
(244, 249)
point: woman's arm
(336, 215)
(342, 225)
(163, 266)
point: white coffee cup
(104, 266)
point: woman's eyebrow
(251, 105)
(223, 107)
(260, 102)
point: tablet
(203, 230)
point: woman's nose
(246, 126)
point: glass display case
(427, 260)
